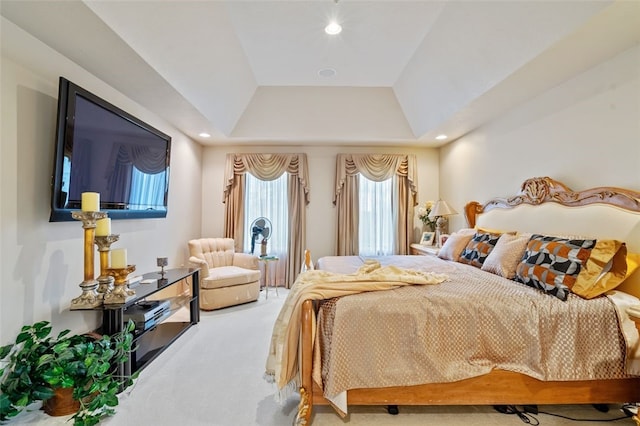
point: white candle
(90, 201)
(119, 258)
(103, 227)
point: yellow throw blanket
(282, 362)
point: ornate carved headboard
(546, 206)
(540, 190)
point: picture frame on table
(427, 238)
(443, 239)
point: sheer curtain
(268, 199)
(375, 224)
(375, 167)
(269, 167)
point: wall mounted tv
(101, 148)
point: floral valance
(375, 167)
(266, 167)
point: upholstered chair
(227, 278)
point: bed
(592, 353)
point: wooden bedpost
(306, 390)
(471, 210)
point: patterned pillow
(552, 264)
(506, 255)
(454, 245)
(478, 248)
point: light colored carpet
(212, 375)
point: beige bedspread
(465, 327)
(282, 361)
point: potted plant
(37, 365)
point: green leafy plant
(37, 363)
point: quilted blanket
(469, 325)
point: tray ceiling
(405, 71)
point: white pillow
(454, 245)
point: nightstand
(419, 249)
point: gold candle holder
(121, 292)
(105, 281)
(89, 298)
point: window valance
(375, 167)
(266, 167)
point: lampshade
(441, 208)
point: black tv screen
(101, 148)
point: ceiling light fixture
(441, 137)
(333, 28)
(327, 72)
(204, 135)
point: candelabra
(105, 281)
(120, 292)
(89, 298)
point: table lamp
(439, 212)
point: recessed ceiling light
(204, 135)
(441, 137)
(333, 28)
(327, 72)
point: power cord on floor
(526, 414)
(526, 417)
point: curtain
(375, 167)
(269, 167)
(269, 199)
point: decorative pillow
(454, 245)
(478, 248)
(633, 263)
(506, 255)
(604, 271)
(560, 265)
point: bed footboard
(496, 388)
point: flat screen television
(101, 148)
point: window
(376, 224)
(288, 220)
(267, 199)
(401, 170)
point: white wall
(584, 133)
(321, 213)
(41, 263)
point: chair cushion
(226, 276)
(215, 251)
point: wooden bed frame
(498, 387)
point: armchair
(227, 278)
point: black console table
(174, 300)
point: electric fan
(260, 227)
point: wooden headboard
(546, 206)
(540, 190)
